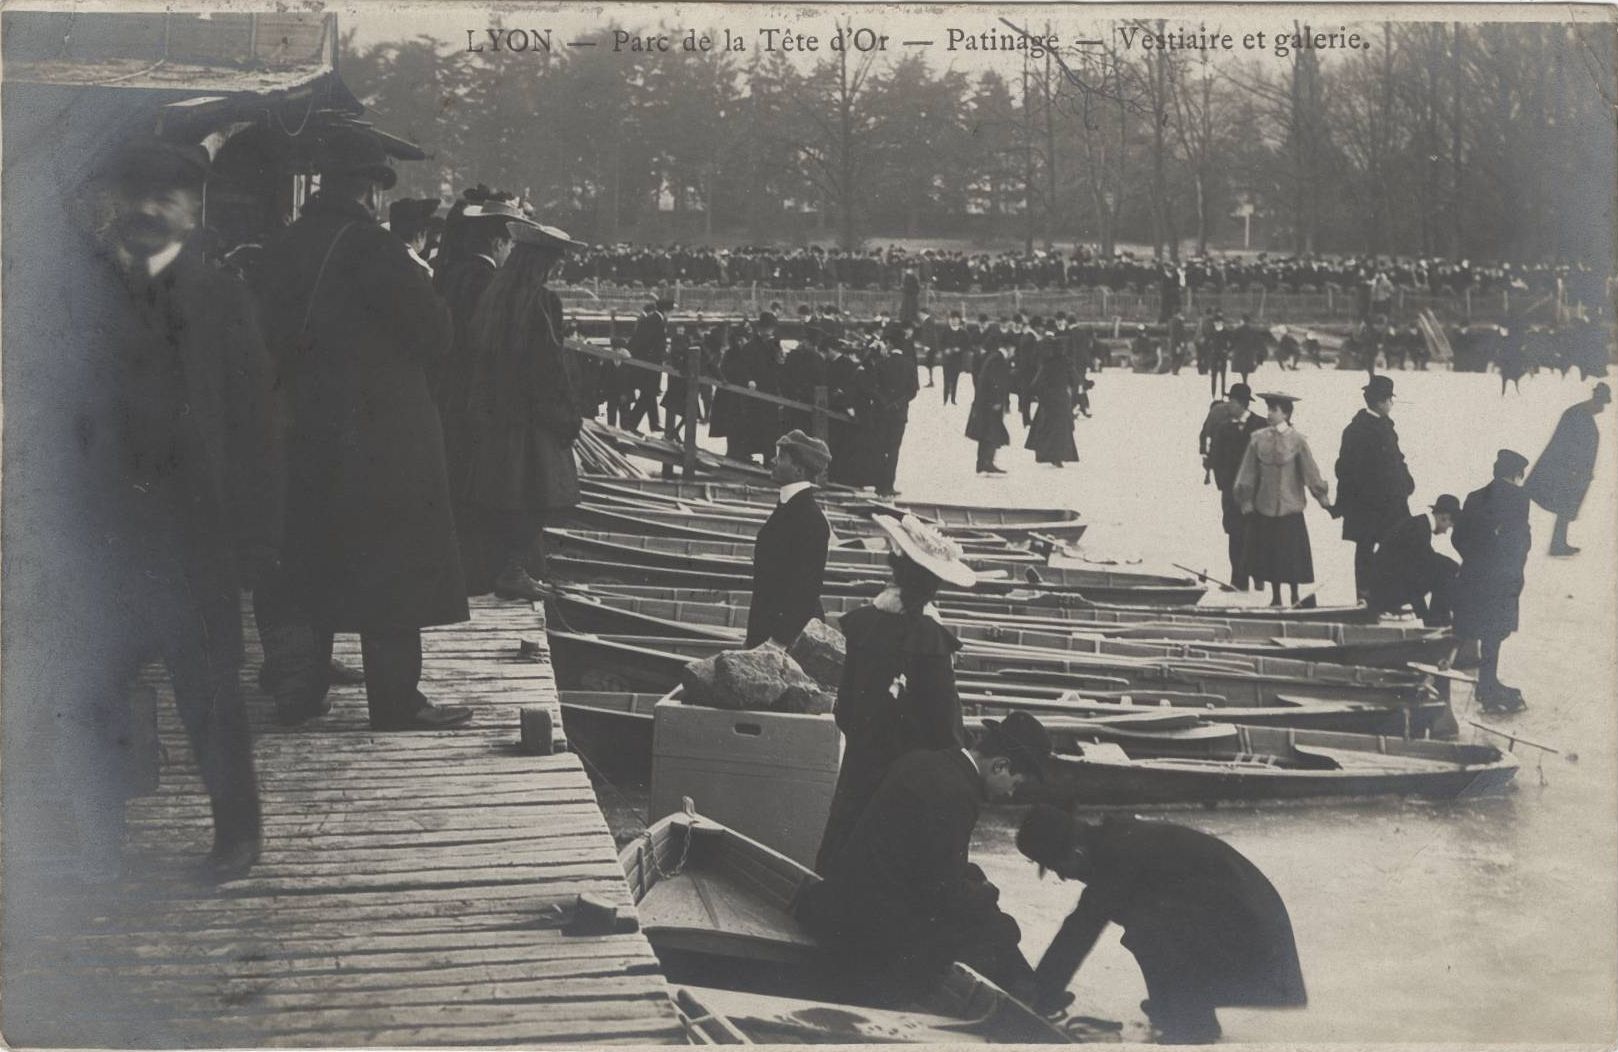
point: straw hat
(925, 546)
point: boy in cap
(1205, 926)
(1493, 536)
(789, 555)
(900, 901)
(1406, 570)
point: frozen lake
(1491, 921)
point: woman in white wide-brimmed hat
(898, 686)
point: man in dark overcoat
(991, 396)
(896, 388)
(1492, 536)
(1205, 925)
(1373, 483)
(371, 548)
(1025, 366)
(143, 491)
(1226, 447)
(1406, 570)
(901, 899)
(802, 372)
(954, 347)
(1562, 475)
(789, 555)
(648, 343)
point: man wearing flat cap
(1493, 537)
(901, 900)
(355, 326)
(1562, 475)
(1373, 483)
(1406, 570)
(146, 495)
(789, 556)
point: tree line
(1483, 141)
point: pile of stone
(769, 678)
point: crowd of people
(955, 271)
(1266, 473)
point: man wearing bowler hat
(1493, 536)
(900, 900)
(355, 325)
(1406, 570)
(1226, 449)
(407, 219)
(1373, 483)
(789, 556)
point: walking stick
(1203, 576)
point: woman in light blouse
(1277, 475)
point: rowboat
(589, 560)
(1274, 764)
(717, 908)
(847, 518)
(614, 729)
(610, 610)
(641, 664)
(1009, 564)
(1056, 522)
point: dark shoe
(426, 718)
(290, 712)
(996, 470)
(1564, 550)
(514, 583)
(232, 859)
(345, 675)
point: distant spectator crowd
(958, 272)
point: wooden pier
(415, 888)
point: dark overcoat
(1373, 483)
(897, 694)
(901, 900)
(1054, 389)
(370, 537)
(991, 394)
(1405, 568)
(462, 285)
(524, 412)
(1198, 917)
(802, 372)
(789, 567)
(1562, 475)
(1493, 537)
(1226, 449)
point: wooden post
(1468, 293)
(693, 371)
(819, 416)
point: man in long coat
(1562, 475)
(1408, 571)
(1373, 483)
(901, 900)
(1226, 447)
(991, 395)
(802, 372)
(789, 555)
(1493, 538)
(143, 491)
(1204, 924)
(355, 324)
(648, 343)
(896, 388)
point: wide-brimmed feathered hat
(927, 547)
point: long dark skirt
(1277, 549)
(1051, 436)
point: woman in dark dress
(1055, 387)
(898, 687)
(525, 408)
(1277, 476)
